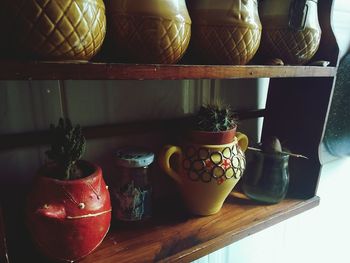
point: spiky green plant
(67, 147)
(215, 118)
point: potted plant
(210, 163)
(68, 208)
(213, 124)
(267, 179)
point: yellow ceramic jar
(59, 29)
(291, 30)
(225, 31)
(152, 31)
(207, 173)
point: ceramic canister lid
(133, 157)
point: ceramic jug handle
(164, 161)
(242, 141)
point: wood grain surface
(29, 70)
(174, 236)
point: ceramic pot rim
(213, 138)
(96, 171)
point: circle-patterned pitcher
(207, 173)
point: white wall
(341, 24)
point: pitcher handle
(242, 141)
(164, 161)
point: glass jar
(266, 177)
(131, 189)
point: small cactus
(214, 118)
(67, 147)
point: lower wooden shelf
(177, 237)
(174, 236)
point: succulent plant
(215, 118)
(271, 145)
(67, 147)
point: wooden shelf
(172, 235)
(24, 70)
(177, 237)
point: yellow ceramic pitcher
(225, 31)
(57, 30)
(291, 30)
(206, 173)
(152, 31)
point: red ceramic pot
(217, 138)
(69, 219)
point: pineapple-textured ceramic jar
(59, 29)
(152, 31)
(291, 30)
(225, 31)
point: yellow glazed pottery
(59, 29)
(152, 31)
(291, 30)
(206, 173)
(225, 31)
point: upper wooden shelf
(16, 70)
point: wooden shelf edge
(233, 236)
(182, 238)
(36, 70)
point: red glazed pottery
(69, 219)
(206, 137)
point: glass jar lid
(133, 157)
